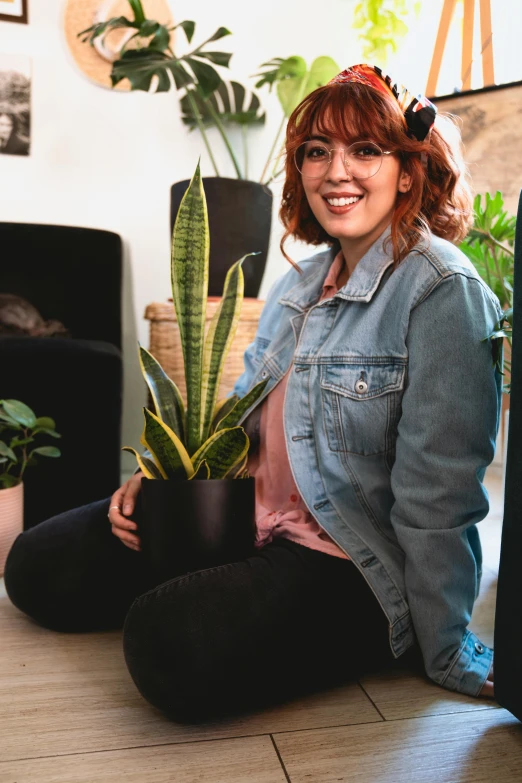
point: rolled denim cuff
(470, 668)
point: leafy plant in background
(204, 441)
(489, 245)
(208, 101)
(382, 25)
(18, 429)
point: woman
(366, 504)
(10, 141)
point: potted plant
(197, 499)
(240, 209)
(19, 428)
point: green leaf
(16, 442)
(218, 58)
(189, 275)
(222, 451)
(20, 412)
(47, 451)
(188, 28)
(139, 66)
(139, 13)
(221, 32)
(52, 433)
(219, 338)
(322, 70)
(5, 451)
(145, 464)
(45, 422)
(242, 406)
(166, 396)
(234, 109)
(203, 472)
(102, 28)
(207, 78)
(8, 480)
(222, 408)
(165, 446)
(12, 424)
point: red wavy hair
(439, 199)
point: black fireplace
(73, 276)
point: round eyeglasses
(362, 160)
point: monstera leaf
(231, 102)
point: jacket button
(479, 648)
(264, 374)
(361, 387)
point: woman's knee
(22, 575)
(173, 653)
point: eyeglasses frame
(343, 149)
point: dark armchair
(72, 275)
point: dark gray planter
(240, 219)
(190, 525)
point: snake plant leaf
(240, 408)
(166, 396)
(222, 451)
(147, 466)
(229, 102)
(166, 448)
(189, 275)
(203, 472)
(219, 338)
(20, 412)
(223, 407)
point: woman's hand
(123, 503)
(488, 689)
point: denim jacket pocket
(361, 405)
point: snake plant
(205, 440)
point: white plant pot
(11, 519)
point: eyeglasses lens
(362, 159)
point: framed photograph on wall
(14, 11)
(15, 104)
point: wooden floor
(69, 712)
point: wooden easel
(467, 44)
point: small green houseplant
(490, 247)
(194, 453)
(19, 430)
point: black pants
(285, 622)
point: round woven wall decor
(81, 14)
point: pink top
(280, 510)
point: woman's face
(6, 126)
(357, 224)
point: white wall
(105, 159)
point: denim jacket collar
(361, 285)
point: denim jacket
(391, 414)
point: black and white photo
(15, 104)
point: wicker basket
(165, 344)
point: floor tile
(473, 747)
(229, 761)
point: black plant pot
(190, 525)
(240, 218)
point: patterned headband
(419, 112)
